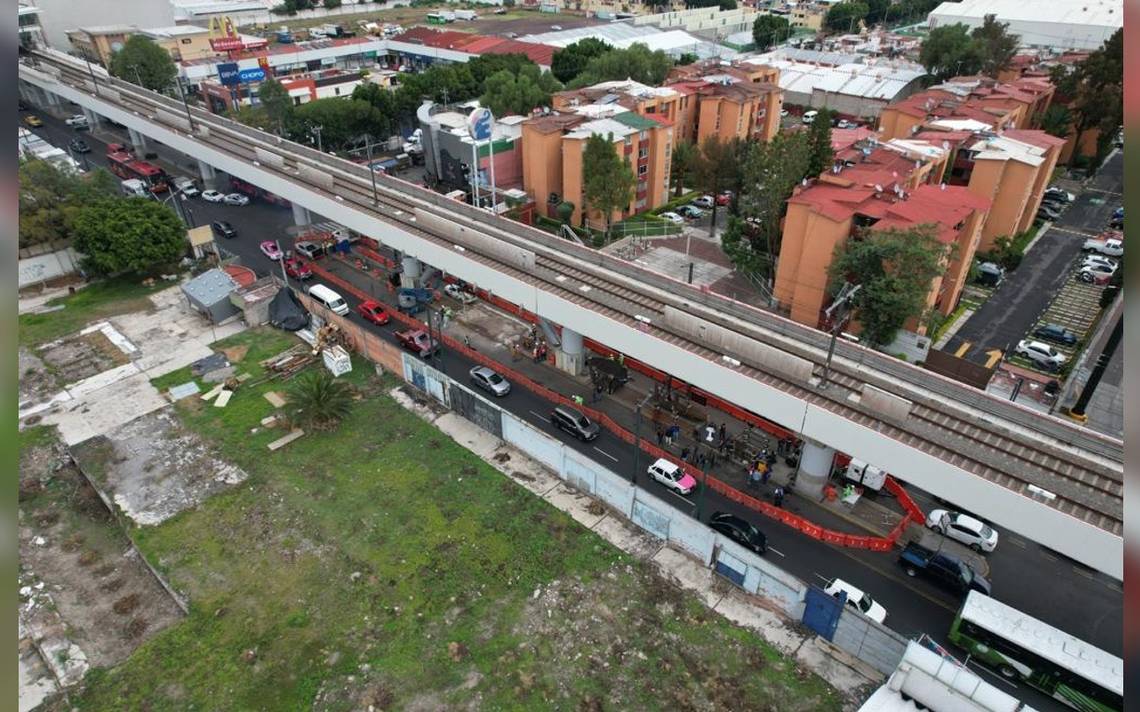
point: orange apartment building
(883, 187)
(1014, 105)
(552, 148)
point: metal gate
(731, 567)
(821, 612)
(476, 410)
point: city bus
(127, 167)
(1022, 648)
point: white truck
(186, 186)
(1110, 247)
(869, 476)
(466, 15)
(134, 187)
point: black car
(574, 423)
(990, 274)
(739, 531)
(78, 145)
(1055, 333)
(224, 229)
(23, 106)
(1048, 213)
(944, 569)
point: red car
(417, 340)
(373, 311)
(298, 268)
(724, 198)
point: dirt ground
(153, 468)
(37, 383)
(75, 561)
(82, 356)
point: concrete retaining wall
(48, 266)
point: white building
(623, 34)
(1040, 23)
(58, 17)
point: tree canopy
(994, 45)
(571, 60)
(1097, 91)
(342, 121)
(948, 51)
(274, 98)
(895, 269)
(128, 235)
(608, 179)
(49, 196)
(141, 61)
(636, 62)
(820, 153)
(845, 16)
(507, 93)
(769, 30)
(681, 168)
(714, 169)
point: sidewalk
(845, 673)
(491, 331)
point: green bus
(1023, 648)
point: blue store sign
(251, 75)
(228, 74)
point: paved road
(1023, 574)
(1026, 293)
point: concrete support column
(52, 100)
(570, 357)
(209, 176)
(815, 468)
(92, 118)
(138, 141)
(301, 215)
(410, 276)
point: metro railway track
(1097, 488)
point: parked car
(1047, 213)
(690, 211)
(724, 198)
(270, 249)
(705, 202)
(297, 268)
(783, 113)
(223, 229)
(944, 569)
(186, 186)
(672, 476)
(1098, 260)
(459, 294)
(809, 116)
(1041, 354)
(236, 199)
(857, 599)
(77, 122)
(575, 423)
(740, 531)
(972, 532)
(490, 381)
(1096, 273)
(78, 145)
(1110, 247)
(673, 218)
(213, 196)
(311, 250)
(990, 274)
(373, 311)
(1055, 333)
(418, 341)
(556, 27)
(845, 124)
(1116, 222)
(33, 120)
(1063, 194)
(1055, 202)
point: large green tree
(948, 51)
(769, 30)
(141, 61)
(994, 45)
(608, 180)
(894, 269)
(49, 196)
(1097, 91)
(128, 236)
(506, 93)
(1057, 121)
(845, 16)
(275, 99)
(821, 154)
(715, 169)
(342, 121)
(637, 62)
(571, 60)
(681, 168)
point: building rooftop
(1088, 12)
(175, 31)
(97, 30)
(602, 127)
(855, 77)
(556, 122)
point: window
(640, 204)
(641, 186)
(643, 152)
(187, 41)
(642, 170)
(643, 135)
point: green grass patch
(92, 303)
(383, 564)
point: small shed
(209, 294)
(253, 300)
(201, 240)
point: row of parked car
(696, 208)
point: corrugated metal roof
(210, 287)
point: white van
(330, 299)
(809, 116)
(135, 188)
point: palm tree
(320, 401)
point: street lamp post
(91, 69)
(637, 438)
(137, 75)
(372, 172)
(185, 104)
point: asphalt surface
(1023, 574)
(1007, 316)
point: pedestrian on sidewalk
(685, 454)
(579, 400)
(660, 437)
(597, 393)
(753, 478)
(723, 432)
(778, 497)
(765, 473)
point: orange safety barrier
(728, 491)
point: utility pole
(372, 171)
(91, 69)
(1077, 411)
(185, 104)
(637, 438)
(842, 304)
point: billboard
(228, 74)
(251, 75)
(479, 124)
(223, 36)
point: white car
(673, 218)
(236, 199)
(186, 186)
(962, 527)
(1110, 248)
(213, 196)
(705, 201)
(844, 124)
(1041, 354)
(1099, 260)
(1096, 272)
(79, 121)
(455, 292)
(672, 476)
(858, 600)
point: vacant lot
(93, 303)
(383, 566)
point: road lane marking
(678, 495)
(962, 349)
(537, 415)
(822, 578)
(780, 553)
(604, 453)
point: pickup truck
(459, 294)
(944, 569)
(1111, 247)
(417, 341)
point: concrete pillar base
(301, 215)
(571, 356)
(92, 118)
(411, 273)
(209, 175)
(815, 469)
(138, 141)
